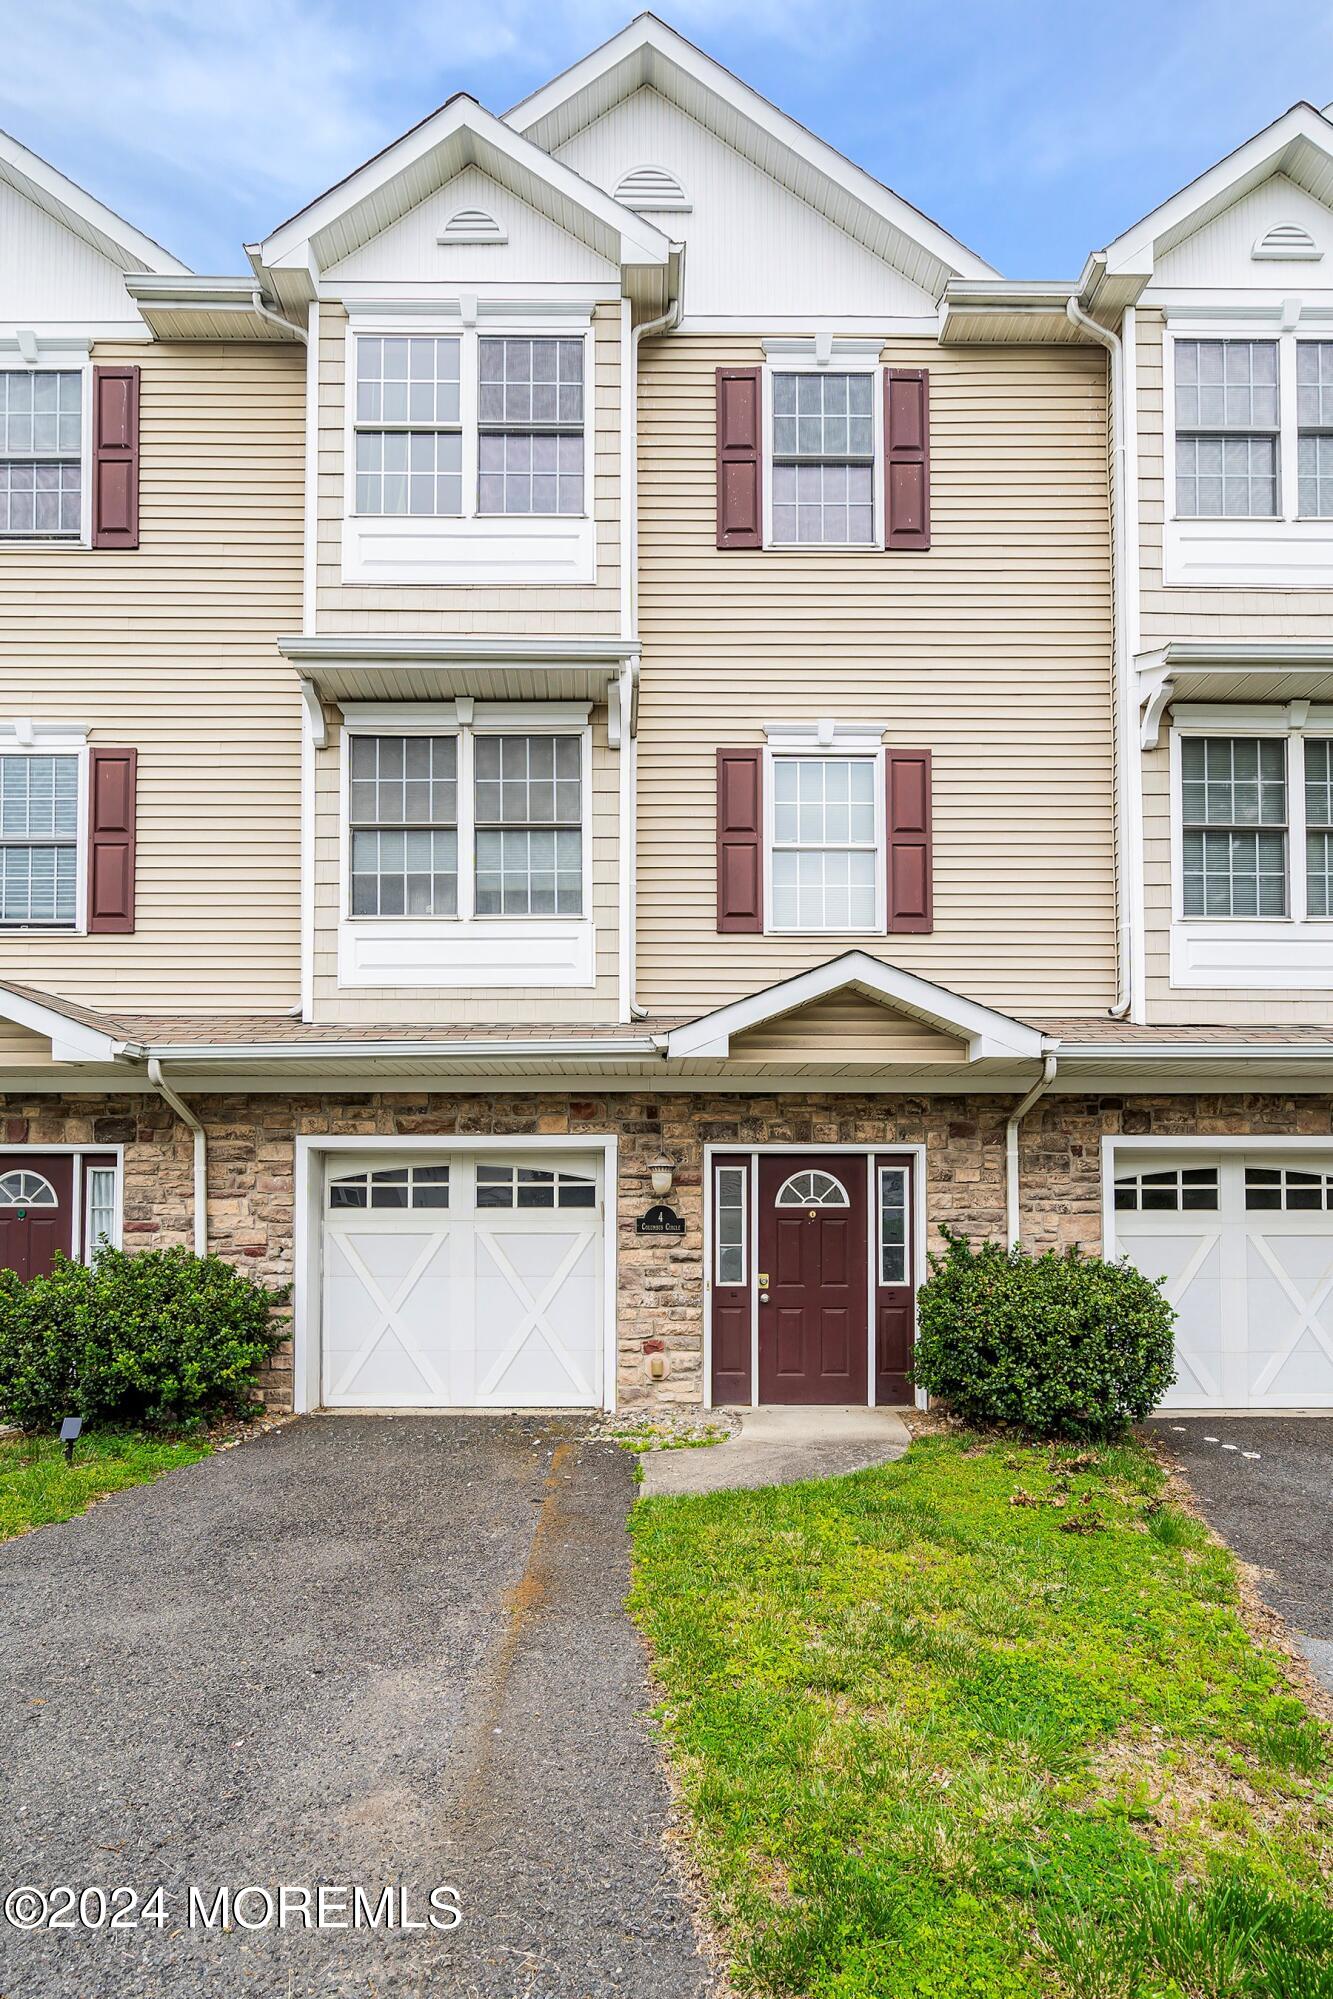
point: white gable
(50, 276)
(1220, 255)
(527, 248)
(752, 248)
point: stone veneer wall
(251, 1153)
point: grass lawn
(938, 1738)
(37, 1487)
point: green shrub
(157, 1340)
(1062, 1345)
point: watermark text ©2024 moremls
(250, 1906)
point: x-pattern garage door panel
(475, 1304)
(1252, 1287)
(386, 1338)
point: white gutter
(410, 1051)
(187, 1116)
(1039, 1088)
(629, 749)
(1126, 733)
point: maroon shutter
(907, 457)
(115, 457)
(740, 835)
(740, 522)
(909, 871)
(111, 840)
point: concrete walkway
(779, 1447)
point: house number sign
(660, 1220)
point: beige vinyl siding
(170, 648)
(475, 1004)
(993, 649)
(1174, 613)
(846, 1028)
(23, 1047)
(592, 609)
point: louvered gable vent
(649, 188)
(472, 225)
(1287, 241)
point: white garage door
(1245, 1243)
(457, 1281)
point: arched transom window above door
(26, 1190)
(812, 1190)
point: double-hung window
(41, 453)
(1233, 793)
(464, 425)
(530, 425)
(39, 841)
(470, 822)
(1227, 428)
(1256, 826)
(409, 431)
(823, 437)
(824, 864)
(1314, 428)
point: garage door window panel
(1289, 1188)
(500, 1186)
(1169, 1190)
(392, 1187)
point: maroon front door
(812, 1273)
(36, 1210)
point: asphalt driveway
(1266, 1484)
(357, 1652)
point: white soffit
(989, 1035)
(648, 53)
(1298, 145)
(81, 212)
(462, 133)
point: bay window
(472, 822)
(465, 425)
(1255, 825)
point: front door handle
(763, 1297)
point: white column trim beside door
(754, 1153)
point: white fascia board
(71, 204)
(646, 37)
(1250, 163)
(1268, 1054)
(640, 242)
(71, 1040)
(990, 1036)
(545, 649)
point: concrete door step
(779, 1446)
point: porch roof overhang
(209, 308)
(443, 667)
(988, 1035)
(1273, 670)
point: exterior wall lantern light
(663, 1173)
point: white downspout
(187, 1116)
(629, 748)
(1039, 1088)
(1122, 693)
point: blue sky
(1035, 130)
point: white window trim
(840, 750)
(469, 547)
(564, 945)
(1291, 952)
(743, 1168)
(1283, 551)
(838, 357)
(64, 739)
(72, 361)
